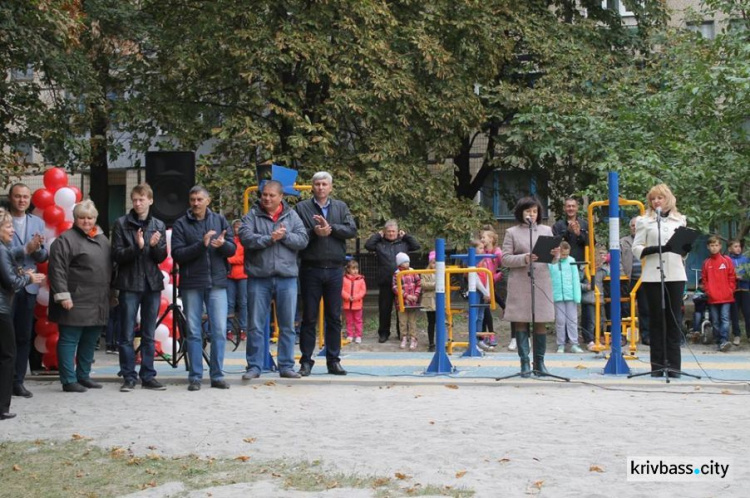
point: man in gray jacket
(272, 234)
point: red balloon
(42, 199)
(42, 267)
(79, 195)
(49, 360)
(65, 225)
(55, 178)
(167, 264)
(45, 328)
(51, 342)
(53, 216)
(40, 312)
(167, 322)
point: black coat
(201, 266)
(327, 251)
(136, 266)
(386, 251)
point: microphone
(528, 220)
(658, 211)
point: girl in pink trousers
(353, 295)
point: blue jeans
(237, 301)
(260, 291)
(149, 303)
(720, 321)
(215, 300)
(78, 343)
(320, 283)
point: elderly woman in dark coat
(516, 257)
(79, 272)
(12, 279)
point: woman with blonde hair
(80, 269)
(12, 279)
(658, 225)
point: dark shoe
(219, 384)
(153, 384)
(20, 390)
(540, 347)
(127, 386)
(89, 384)
(522, 345)
(646, 341)
(289, 374)
(336, 369)
(431, 348)
(74, 387)
(250, 374)
(194, 386)
(382, 339)
(305, 369)
(5, 416)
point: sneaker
(591, 346)
(243, 335)
(194, 386)
(111, 350)
(349, 339)
(413, 344)
(575, 349)
(431, 348)
(484, 346)
(492, 340)
(358, 340)
(403, 342)
(724, 346)
(560, 349)
(250, 374)
(736, 340)
(153, 384)
(230, 336)
(127, 386)
(513, 345)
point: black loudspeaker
(171, 176)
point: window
(502, 190)
(705, 28)
(617, 6)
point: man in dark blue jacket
(201, 243)
(139, 245)
(329, 224)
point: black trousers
(23, 318)
(7, 360)
(430, 326)
(385, 308)
(672, 316)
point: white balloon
(40, 343)
(165, 277)
(169, 242)
(65, 197)
(166, 345)
(68, 213)
(49, 232)
(43, 296)
(138, 315)
(161, 333)
(167, 292)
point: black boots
(522, 339)
(540, 345)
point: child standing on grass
(353, 295)
(566, 291)
(719, 281)
(428, 301)
(411, 286)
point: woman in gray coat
(80, 270)
(12, 279)
(516, 257)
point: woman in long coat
(516, 256)
(80, 269)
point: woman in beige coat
(516, 257)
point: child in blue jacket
(566, 291)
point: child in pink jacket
(353, 295)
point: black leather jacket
(136, 266)
(11, 280)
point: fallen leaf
(417, 396)
(504, 460)
(249, 440)
(78, 437)
(16, 468)
(432, 422)
(539, 484)
(243, 458)
(380, 481)
(451, 386)
(401, 476)
(332, 485)
(269, 383)
(80, 474)
(581, 367)
(154, 456)
(151, 447)
(151, 472)
(535, 458)
(460, 474)
(275, 474)
(726, 391)
(595, 468)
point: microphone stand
(665, 369)
(538, 373)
